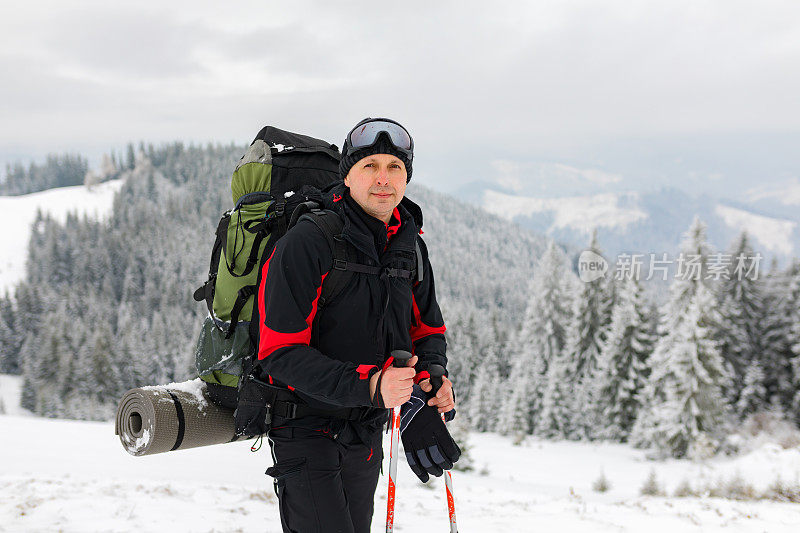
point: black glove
(429, 447)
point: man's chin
(381, 210)
(383, 202)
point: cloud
(475, 82)
(590, 174)
(508, 174)
(115, 40)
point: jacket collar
(366, 232)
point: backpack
(279, 171)
(278, 181)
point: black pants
(325, 482)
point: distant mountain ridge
(644, 222)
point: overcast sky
(641, 94)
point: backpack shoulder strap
(343, 264)
(331, 226)
(326, 220)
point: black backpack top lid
(282, 140)
(298, 160)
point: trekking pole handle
(401, 358)
(437, 373)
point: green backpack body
(279, 171)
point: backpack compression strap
(263, 229)
(206, 291)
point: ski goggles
(365, 135)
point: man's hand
(396, 384)
(444, 400)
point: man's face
(378, 183)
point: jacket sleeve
(291, 283)
(427, 329)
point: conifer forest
(107, 306)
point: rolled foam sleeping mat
(171, 417)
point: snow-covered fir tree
(501, 336)
(467, 335)
(10, 338)
(522, 396)
(781, 297)
(753, 394)
(623, 368)
(683, 400)
(483, 405)
(48, 372)
(539, 340)
(690, 409)
(491, 377)
(555, 419)
(740, 306)
(794, 343)
(570, 387)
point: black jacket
(372, 316)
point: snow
(10, 391)
(524, 177)
(280, 147)
(74, 476)
(774, 233)
(17, 213)
(194, 387)
(140, 442)
(582, 213)
(787, 193)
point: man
(335, 361)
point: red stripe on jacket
(269, 339)
(364, 370)
(391, 230)
(421, 329)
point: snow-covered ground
(60, 475)
(774, 233)
(17, 213)
(10, 389)
(787, 193)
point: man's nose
(382, 177)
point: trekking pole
(401, 358)
(437, 372)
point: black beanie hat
(383, 146)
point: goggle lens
(365, 135)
